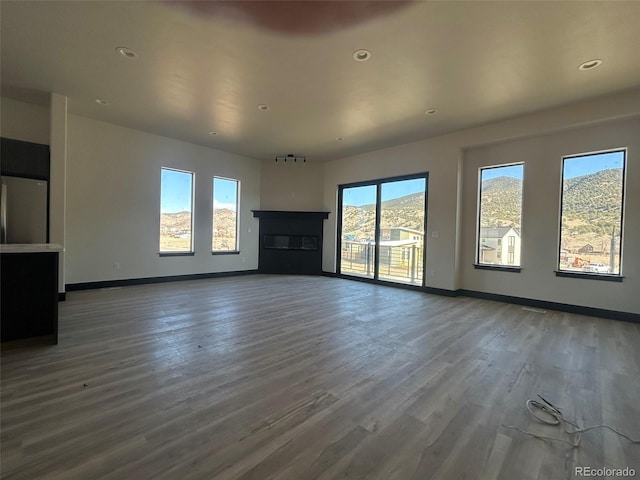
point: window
(381, 229)
(225, 215)
(499, 215)
(591, 215)
(176, 211)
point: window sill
(497, 268)
(176, 254)
(226, 252)
(590, 276)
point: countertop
(30, 247)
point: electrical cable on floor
(549, 414)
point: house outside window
(499, 215)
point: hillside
(592, 209)
(175, 222)
(592, 202)
(224, 229)
(399, 212)
(174, 226)
(502, 202)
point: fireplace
(290, 242)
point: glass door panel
(401, 242)
(357, 254)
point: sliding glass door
(357, 253)
(382, 229)
(402, 231)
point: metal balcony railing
(400, 261)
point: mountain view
(175, 227)
(398, 212)
(224, 229)
(591, 209)
(592, 205)
(502, 202)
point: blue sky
(579, 166)
(573, 167)
(514, 171)
(358, 196)
(176, 192)
(225, 193)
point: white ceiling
(205, 66)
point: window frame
(377, 183)
(191, 251)
(611, 277)
(236, 249)
(487, 266)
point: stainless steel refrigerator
(23, 210)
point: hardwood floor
(284, 377)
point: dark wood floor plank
(289, 377)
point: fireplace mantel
(290, 214)
(290, 241)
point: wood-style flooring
(288, 377)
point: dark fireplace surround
(290, 242)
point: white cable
(553, 416)
(549, 411)
(539, 436)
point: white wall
(113, 198)
(433, 156)
(113, 183)
(24, 121)
(542, 157)
(452, 195)
(292, 186)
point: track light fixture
(291, 158)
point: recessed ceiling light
(101, 101)
(431, 111)
(126, 52)
(339, 139)
(590, 64)
(263, 107)
(361, 55)
(211, 132)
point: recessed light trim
(101, 101)
(431, 111)
(126, 52)
(339, 139)
(263, 107)
(590, 64)
(361, 55)
(211, 132)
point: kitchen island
(29, 286)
